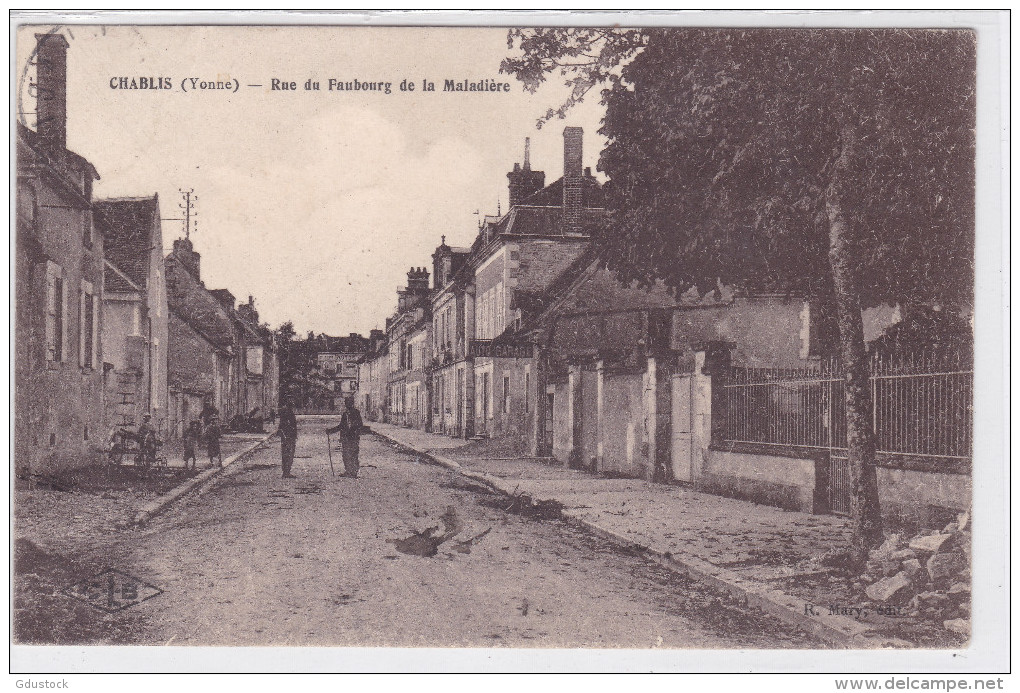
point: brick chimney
(573, 178)
(524, 181)
(418, 280)
(186, 255)
(51, 102)
(247, 310)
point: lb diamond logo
(112, 591)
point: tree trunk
(865, 513)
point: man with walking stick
(288, 436)
(349, 429)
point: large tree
(834, 163)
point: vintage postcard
(647, 334)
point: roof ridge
(128, 198)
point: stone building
(409, 335)
(135, 332)
(450, 370)
(202, 357)
(59, 265)
(326, 370)
(516, 256)
(373, 377)
(254, 368)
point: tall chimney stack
(573, 181)
(523, 181)
(51, 90)
(185, 253)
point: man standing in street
(349, 429)
(288, 436)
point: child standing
(212, 440)
(191, 437)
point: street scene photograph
(514, 337)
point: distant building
(452, 321)
(135, 332)
(59, 265)
(201, 358)
(326, 370)
(409, 334)
(254, 369)
(373, 377)
(220, 354)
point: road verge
(160, 504)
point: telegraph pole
(189, 198)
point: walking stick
(329, 449)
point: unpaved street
(323, 560)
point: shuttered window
(87, 323)
(56, 312)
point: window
(87, 324)
(527, 391)
(28, 206)
(254, 358)
(499, 320)
(506, 394)
(56, 312)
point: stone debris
(958, 625)
(942, 566)
(891, 590)
(902, 554)
(930, 543)
(960, 588)
(911, 567)
(929, 573)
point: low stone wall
(784, 482)
(908, 497)
(923, 498)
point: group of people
(144, 442)
(349, 429)
(207, 428)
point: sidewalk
(91, 502)
(766, 555)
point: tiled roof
(31, 138)
(127, 233)
(115, 280)
(542, 221)
(552, 194)
(190, 301)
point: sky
(314, 202)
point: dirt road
(323, 560)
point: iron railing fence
(921, 406)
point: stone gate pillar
(711, 361)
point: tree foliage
(583, 58)
(722, 143)
(836, 164)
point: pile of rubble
(926, 576)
